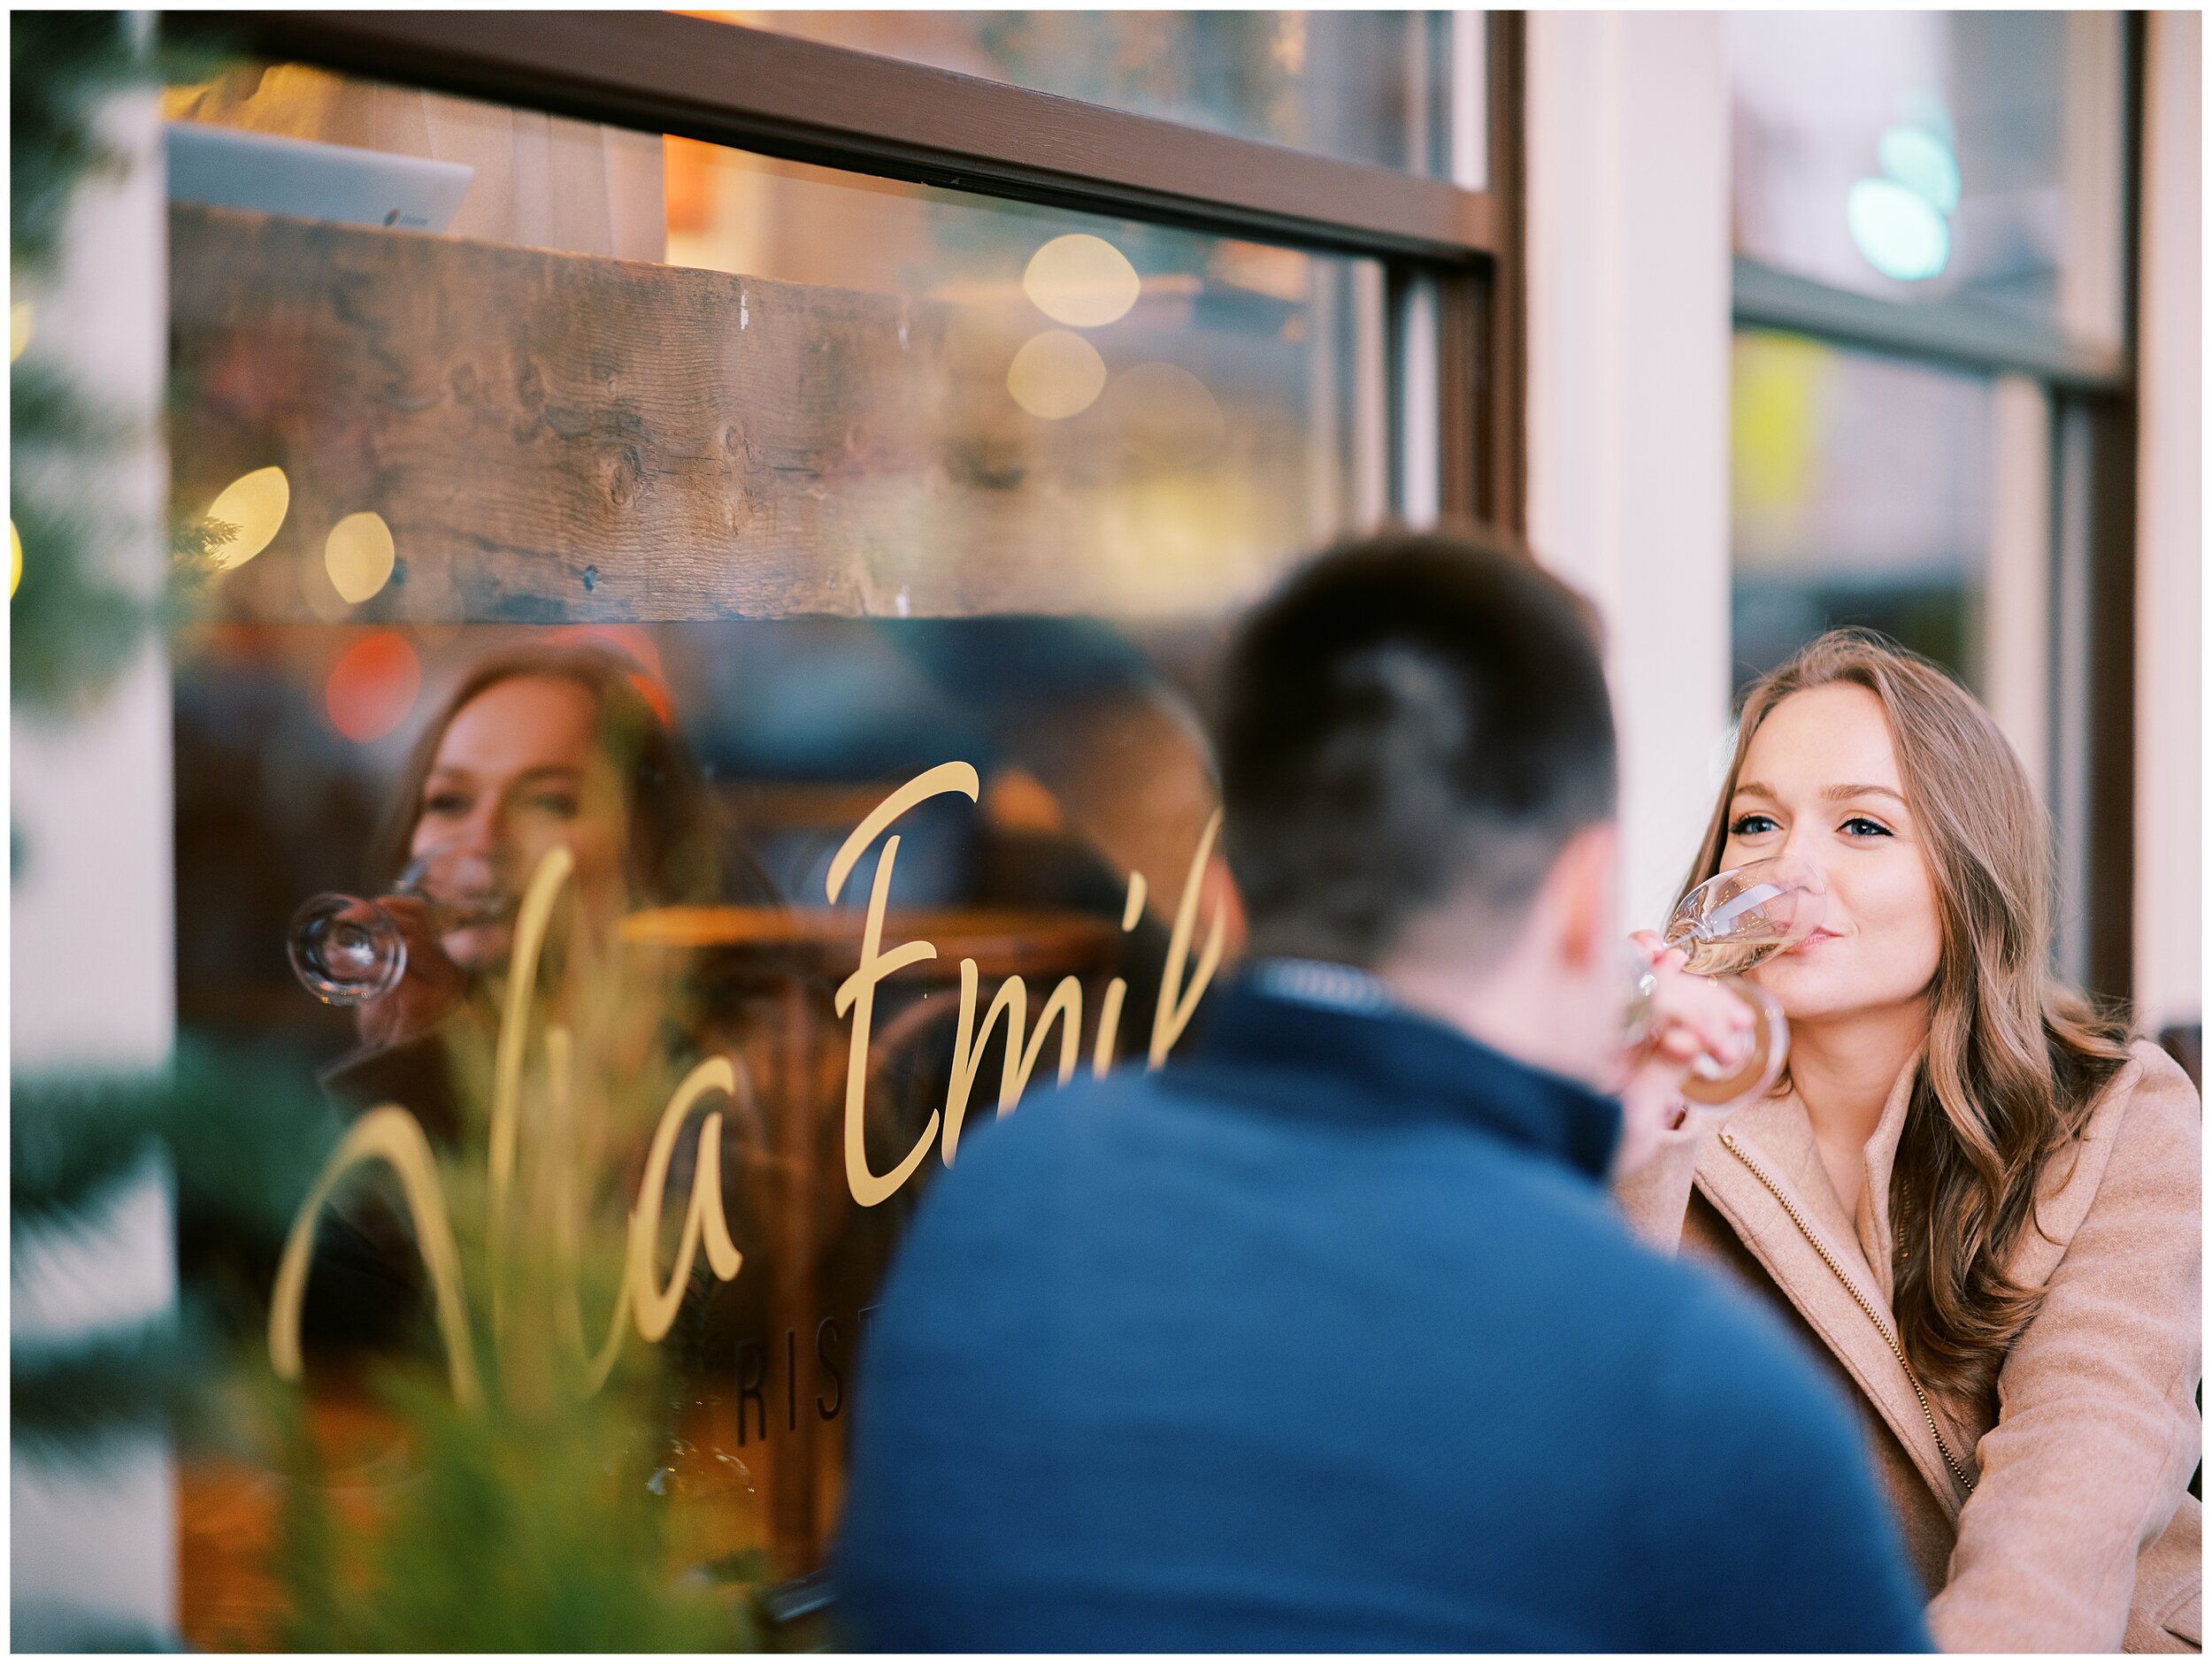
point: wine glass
(346, 950)
(1733, 921)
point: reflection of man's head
(556, 745)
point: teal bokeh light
(1900, 231)
(1922, 163)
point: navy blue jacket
(1328, 1338)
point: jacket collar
(1388, 1062)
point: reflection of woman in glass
(1968, 1191)
(537, 747)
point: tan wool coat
(2076, 1532)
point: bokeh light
(358, 555)
(1081, 279)
(256, 503)
(1055, 375)
(373, 686)
(1899, 231)
(1166, 416)
(1779, 392)
(1923, 164)
(20, 317)
(15, 559)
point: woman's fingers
(431, 986)
(1693, 1017)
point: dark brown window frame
(804, 101)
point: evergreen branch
(61, 1626)
(70, 627)
(62, 67)
(244, 1136)
(73, 624)
(66, 1397)
(196, 542)
(46, 413)
(193, 547)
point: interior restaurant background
(888, 391)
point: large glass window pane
(1400, 90)
(1168, 414)
(837, 482)
(1924, 154)
(1860, 496)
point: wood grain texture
(557, 438)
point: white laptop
(310, 180)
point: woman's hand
(431, 987)
(1690, 1017)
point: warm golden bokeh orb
(1080, 279)
(1166, 416)
(358, 555)
(256, 503)
(1055, 375)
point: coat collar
(1389, 1062)
(1825, 1262)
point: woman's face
(515, 773)
(1821, 782)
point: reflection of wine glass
(346, 950)
(1732, 922)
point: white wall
(92, 946)
(92, 950)
(2169, 529)
(1628, 341)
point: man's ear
(1585, 880)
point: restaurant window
(1861, 496)
(791, 546)
(1934, 383)
(1929, 156)
(1397, 89)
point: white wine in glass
(1731, 922)
(1744, 916)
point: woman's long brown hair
(2015, 1059)
(674, 846)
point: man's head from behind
(1418, 775)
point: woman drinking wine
(1969, 1193)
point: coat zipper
(1728, 1142)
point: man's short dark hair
(1411, 720)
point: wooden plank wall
(558, 437)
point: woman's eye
(1860, 827)
(448, 803)
(1752, 826)
(559, 803)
